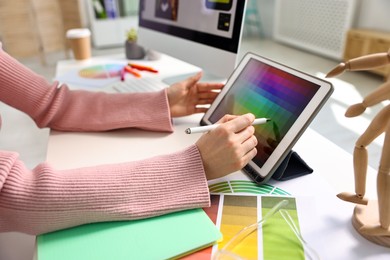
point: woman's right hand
(229, 147)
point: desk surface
(333, 236)
(167, 67)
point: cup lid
(78, 33)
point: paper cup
(80, 42)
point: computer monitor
(205, 33)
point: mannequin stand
(368, 215)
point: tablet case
(291, 167)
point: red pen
(132, 71)
(142, 67)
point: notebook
(163, 237)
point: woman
(45, 199)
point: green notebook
(168, 236)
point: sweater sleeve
(44, 199)
(57, 107)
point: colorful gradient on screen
(266, 91)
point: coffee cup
(80, 43)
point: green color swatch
(279, 241)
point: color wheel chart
(103, 71)
(96, 76)
(244, 203)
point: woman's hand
(229, 147)
(185, 97)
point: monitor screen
(205, 33)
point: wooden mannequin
(371, 218)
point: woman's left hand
(191, 96)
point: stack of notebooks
(169, 236)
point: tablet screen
(269, 92)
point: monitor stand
(206, 77)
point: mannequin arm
(369, 61)
(366, 62)
(380, 94)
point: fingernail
(251, 115)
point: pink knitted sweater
(45, 199)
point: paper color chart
(267, 92)
(275, 240)
(243, 186)
(103, 71)
(279, 241)
(237, 213)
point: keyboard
(146, 84)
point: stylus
(206, 128)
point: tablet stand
(291, 167)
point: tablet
(268, 89)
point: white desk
(166, 65)
(333, 237)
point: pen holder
(292, 166)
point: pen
(132, 71)
(202, 129)
(142, 67)
(123, 72)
